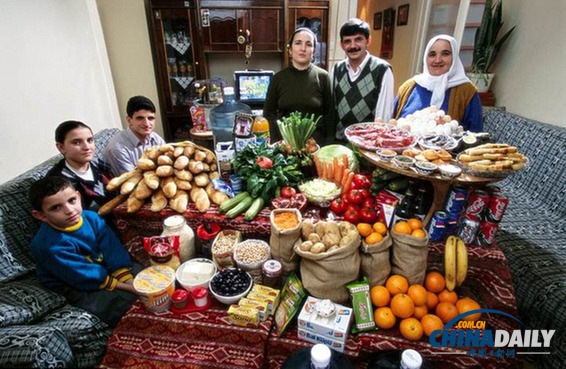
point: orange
(380, 228)
(373, 238)
(402, 227)
(447, 296)
(418, 233)
(430, 323)
(380, 296)
(402, 306)
(384, 318)
(411, 329)
(420, 311)
(415, 224)
(364, 229)
(434, 282)
(397, 284)
(417, 293)
(431, 300)
(466, 304)
(446, 311)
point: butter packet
(260, 296)
(261, 307)
(361, 304)
(243, 316)
(272, 292)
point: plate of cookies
(496, 160)
(437, 157)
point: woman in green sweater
(302, 87)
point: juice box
(333, 327)
(317, 338)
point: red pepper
(361, 182)
(264, 162)
(338, 206)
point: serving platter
(373, 136)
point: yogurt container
(155, 286)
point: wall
(126, 33)
(53, 68)
(530, 74)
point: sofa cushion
(23, 301)
(86, 333)
(34, 347)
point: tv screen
(251, 86)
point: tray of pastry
(496, 160)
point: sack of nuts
(223, 248)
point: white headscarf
(439, 84)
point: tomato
(366, 194)
(288, 192)
(369, 203)
(264, 162)
(338, 206)
(352, 215)
(354, 197)
(361, 181)
(368, 215)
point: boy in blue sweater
(77, 254)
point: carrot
(345, 161)
(349, 182)
(338, 173)
(335, 161)
(330, 173)
(324, 169)
(317, 164)
(344, 178)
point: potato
(331, 239)
(332, 227)
(346, 227)
(317, 248)
(314, 238)
(319, 228)
(307, 228)
(306, 246)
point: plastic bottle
(223, 118)
(398, 359)
(317, 357)
(261, 130)
(176, 224)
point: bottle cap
(228, 90)
(411, 359)
(320, 355)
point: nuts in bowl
(250, 255)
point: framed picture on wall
(377, 20)
(403, 15)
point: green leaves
(486, 44)
(296, 129)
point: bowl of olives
(231, 284)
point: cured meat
(373, 136)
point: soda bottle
(261, 130)
(397, 359)
(404, 210)
(223, 118)
(317, 357)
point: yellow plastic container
(155, 286)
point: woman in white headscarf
(443, 84)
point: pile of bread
(493, 157)
(169, 174)
(437, 157)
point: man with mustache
(362, 83)
(124, 149)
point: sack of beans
(223, 248)
(285, 231)
(250, 255)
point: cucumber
(377, 172)
(387, 176)
(230, 203)
(240, 208)
(399, 184)
(254, 209)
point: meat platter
(374, 136)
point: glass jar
(272, 274)
(176, 224)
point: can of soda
(437, 226)
(468, 230)
(456, 200)
(496, 207)
(477, 203)
(487, 233)
(451, 223)
(492, 189)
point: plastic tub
(155, 286)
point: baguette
(169, 187)
(199, 155)
(180, 202)
(201, 180)
(164, 171)
(116, 182)
(182, 185)
(153, 153)
(164, 160)
(213, 167)
(134, 204)
(178, 151)
(214, 175)
(158, 201)
(200, 198)
(196, 166)
(181, 162)
(142, 191)
(209, 157)
(111, 205)
(218, 197)
(151, 179)
(130, 184)
(184, 175)
(145, 164)
(189, 151)
(167, 148)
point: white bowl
(425, 168)
(386, 154)
(191, 285)
(404, 161)
(449, 170)
(255, 265)
(229, 300)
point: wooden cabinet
(312, 15)
(241, 25)
(178, 60)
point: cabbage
(327, 154)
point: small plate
(450, 143)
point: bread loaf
(181, 162)
(146, 164)
(164, 160)
(201, 180)
(151, 179)
(131, 183)
(180, 202)
(199, 155)
(196, 166)
(158, 201)
(200, 198)
(134, 204)
(169, 187)
(142, 191)
(189, 151)
(178, 151)
(182, 185)
(184, 175)
(164, 171)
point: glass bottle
(176, 224)
(404, 210)
(419, 210)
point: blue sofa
(533, 232)
(38, 329)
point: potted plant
(487, 45)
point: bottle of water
(223, 118)
(397, 359)
(317, 357)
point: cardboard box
(316, 338)
(335, 327)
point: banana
(461, 262)
(450, 263)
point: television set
(251, 86)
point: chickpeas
(251, 251)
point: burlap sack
(282, 242)
(375, 261)
(409, 257)
(326, 275)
